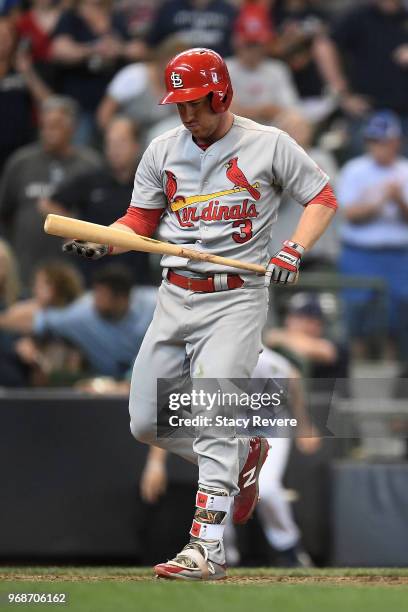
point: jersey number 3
(245, 233)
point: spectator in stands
(107, 324)
(139, 14)
(91, 42)
(326, 249)
(198, 23)
(366, 63)
(253, 16)
(55, 285)
(11, 371)
(103, 196)
(51, 360)
(34, 172)
(35, 27)
(20, 88)
(10, 286)
(304, 334)
(262, 87)
(373, 192)
(299, 26)
(135, 89)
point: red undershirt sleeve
(142, 221)
(326, 197)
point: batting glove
(89, 250)
(284, 265)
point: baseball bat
(67, 227)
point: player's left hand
(284, 266)
(89, 250)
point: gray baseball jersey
(223, 200)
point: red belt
(202, 285)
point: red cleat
(247, 498)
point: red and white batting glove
(284, 265)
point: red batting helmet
(195, 73)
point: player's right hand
(89, 250)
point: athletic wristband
(297, 249)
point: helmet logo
(176, 80)
(214, 77)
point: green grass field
(134, 589)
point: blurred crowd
(79, 84)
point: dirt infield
(241, 578)
(335, 580)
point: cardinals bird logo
(238, 178)
(171, 188)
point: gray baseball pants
(205, 335)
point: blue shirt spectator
(107, 325)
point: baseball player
(274, 510)
(214, 184)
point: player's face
(199, 118)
